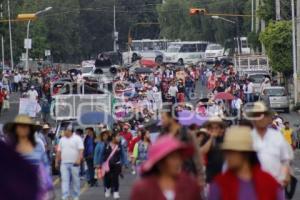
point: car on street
(278, 98)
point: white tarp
(73, 106)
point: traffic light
(198, 11)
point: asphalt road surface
(88, 193)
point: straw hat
(238, 138)
(104, 131)
(20, 120)
(260, 107)
(162, 148)
(46, 126)
(215, 120)
(203, 130)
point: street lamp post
(10, 37)
(232, 22)
(223, 19)
(295, 76)
(27, 36)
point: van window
(244, 44)
(275, 92)
(201, 47)
(258, 78)
(186, 48)
(214, 47)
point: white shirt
(70, 148)
(40, 142)
(272, 151)
(32, 94)
(17, 78)
(208, 73)
(173, 91)
(237, 103)
(249, 89)
(213, 110)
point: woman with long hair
(21, 136)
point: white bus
(185, 52)
(146, 48)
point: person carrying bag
(111, 169)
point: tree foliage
(176, 23)
(277, 39)
(79, 29)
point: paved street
(126, 183)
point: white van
(215, 51)
(181, 52)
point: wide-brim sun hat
(202, 130)
(46, 126)
(215, 120)
(104, 131)
(21, 120)
(163, 147)
(238, 138)
(259, 107)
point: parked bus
(182, 52)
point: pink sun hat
(162, 148)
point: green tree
(176, 23)
(277, 39)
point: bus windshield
(173, 48)
(214, 47)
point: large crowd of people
(219, 151)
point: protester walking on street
(19, 179)
(273, 151)
(140, 152)
(162, 177)
(70, 155)
(32, 94)
(287, 132)
(113, 159)
(88, 153)
(211, 150)
(248, 89)
(101, 142)
(244, 177)
(21, 135)
(171, 126)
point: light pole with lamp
(222, 18)
(27, 42)
(232, 22)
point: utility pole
(277, 5)
(262, 28)
(294, 54)
(2, 39)
(115, 34)
(298, 41)
(257, 21)
(252, 16)
(10, 37)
